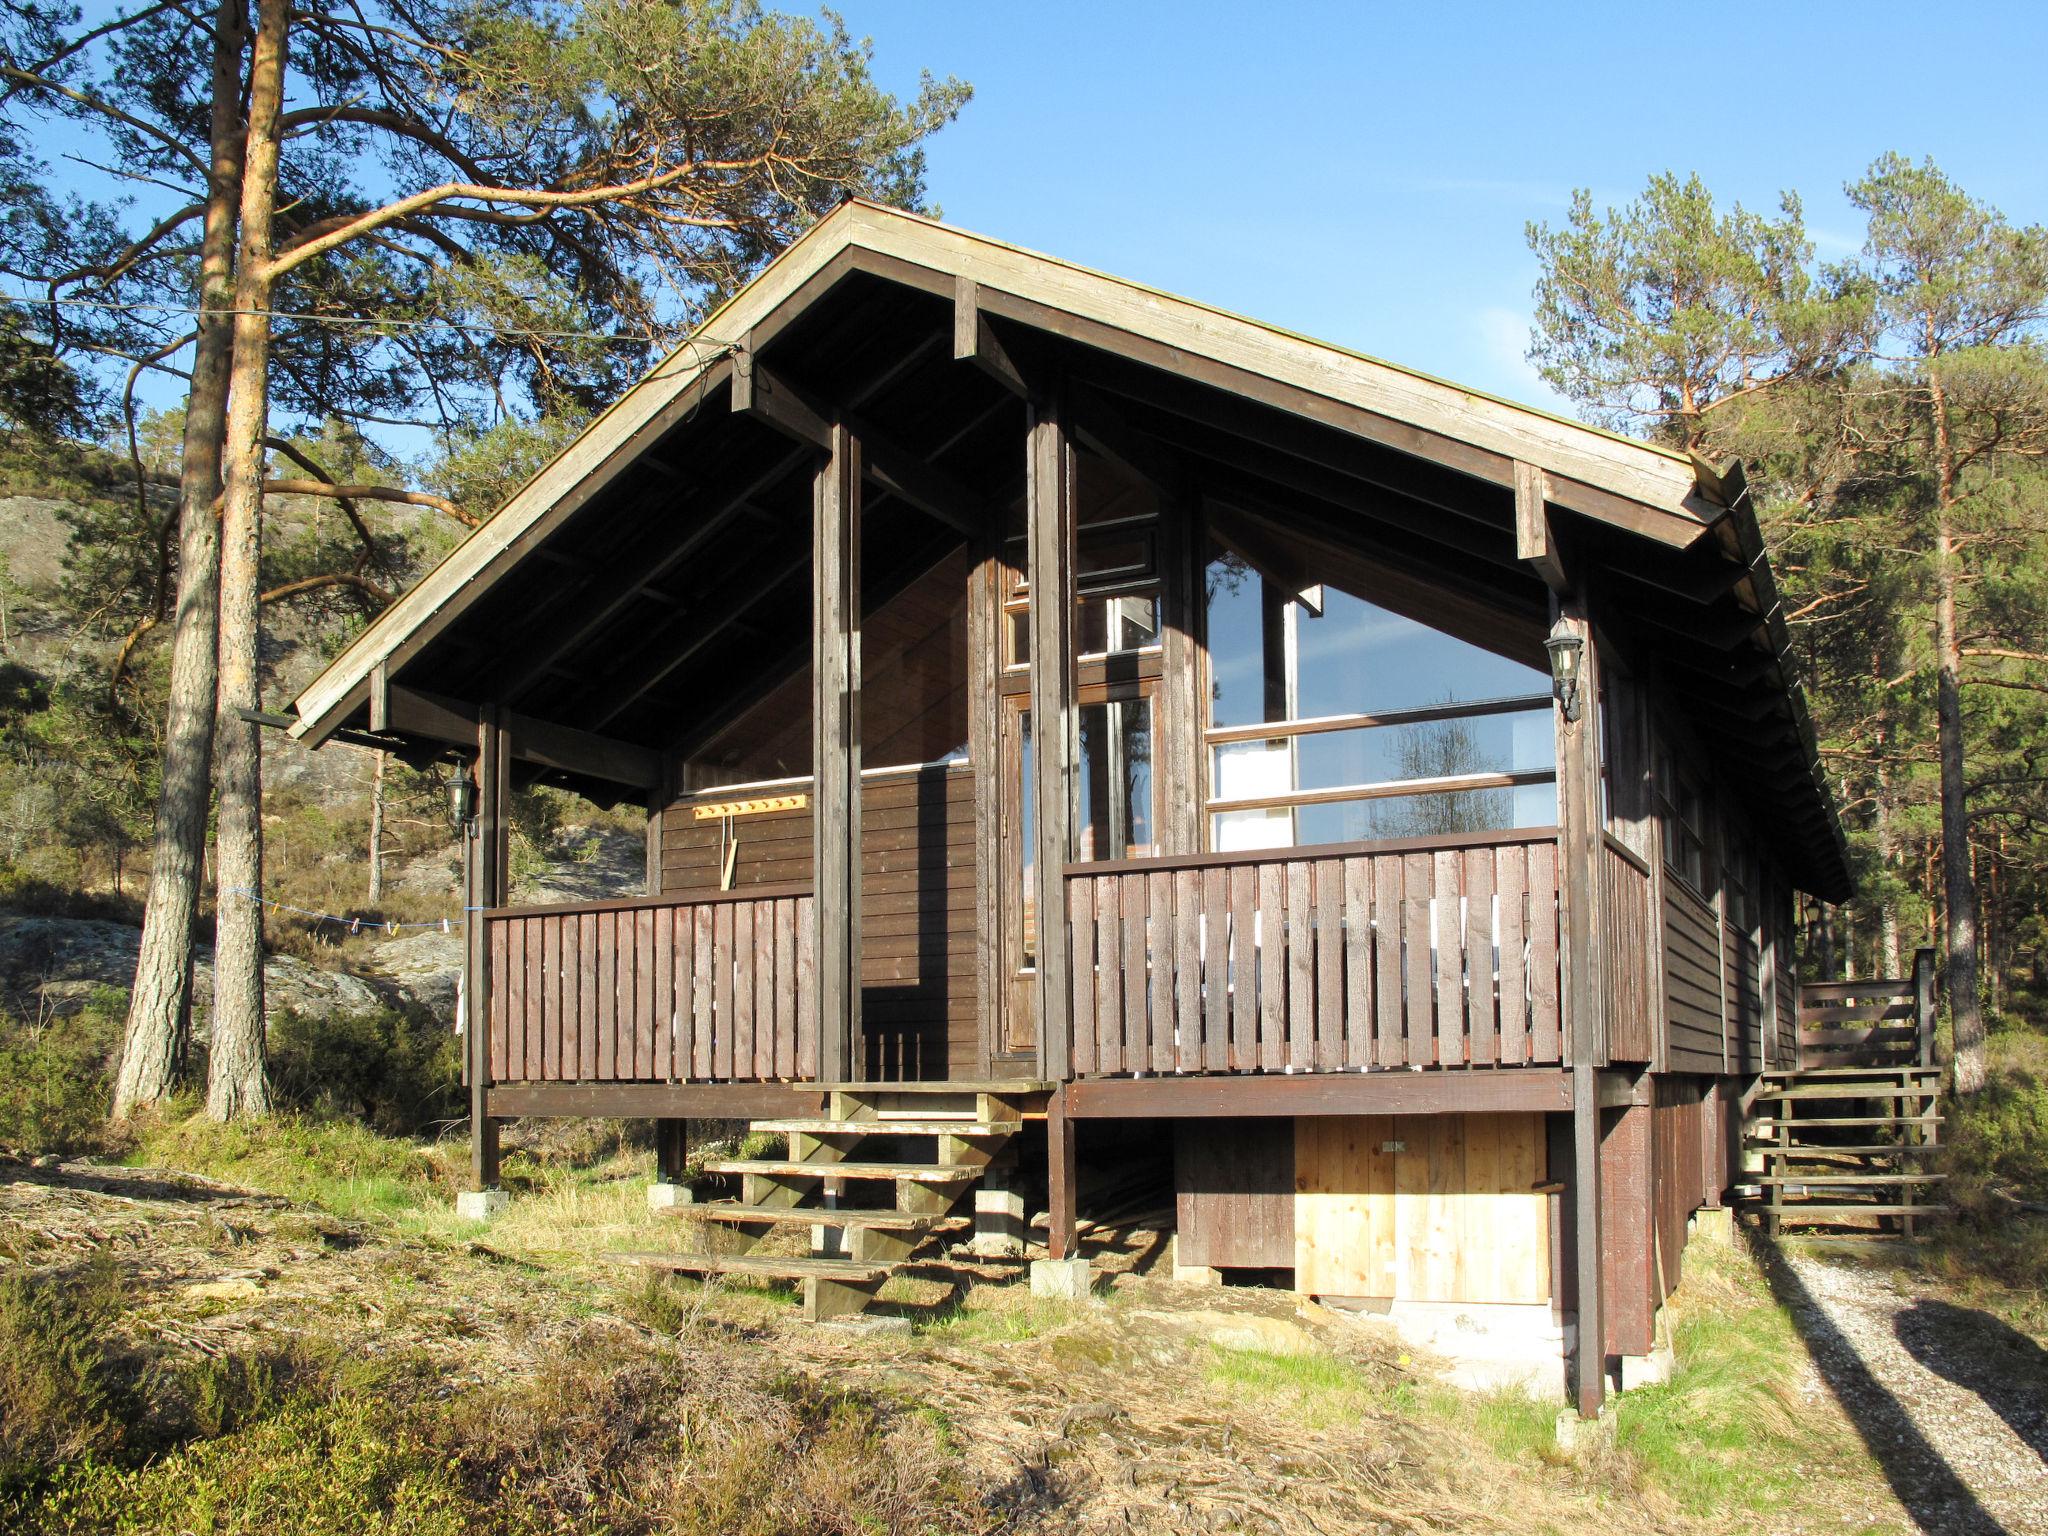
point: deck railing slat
(655, 991)
(1300, 961)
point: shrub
(53, 1078)
(397, 1073)
(1998, 1136)
(63, 1394)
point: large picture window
(1332, 719)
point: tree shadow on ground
(1931, 1490)
(1973, 1349)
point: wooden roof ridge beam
(758, 390)
(545, 743)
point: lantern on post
(1567, 658)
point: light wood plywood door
(1421, 1208)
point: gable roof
(1628, 489)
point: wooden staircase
(1848, 1139)
(870, 1178)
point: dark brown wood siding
(1692, 980)
(1683, 1132)
(1742, 967)
(1233, 1186)
(918, 990)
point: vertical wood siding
(1443, 954)
(919, 987)
(1625, 924)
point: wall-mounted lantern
(1567, 656)
(461, 801)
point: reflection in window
(1103, 626)
(1115, 795)
(1329, 681)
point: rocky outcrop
(55, 963)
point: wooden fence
(1625, 949)
(1425, 952)
(1880, 1023)
(710, 988)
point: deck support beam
(1628, 1232)
(835, 751)
(485, 867)
(1062, 1169)
(1050, 525)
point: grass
(1728, 1431)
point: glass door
(1118, 744)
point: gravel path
(1952, 1402)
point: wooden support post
(1589, 1386)
(1923, 1003)
(984, 727)
(835, 705)
(671, 1150)
(1627, 1230)
(1050, 528)
(1182, 774)
(1061, 1172)
(486, 883)
(1580, 848)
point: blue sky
(1363, 172)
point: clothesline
(354, 924)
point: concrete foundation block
(1061, 1279)
(999, 1221)
(1651, 1370)
(1716, 1225)
(1192, 1274)
(480, 1204)
(666, 1197)
(1579, 1437)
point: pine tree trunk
(377, 829)
(1966, 1013)
(237, 1082)
(152, 1052)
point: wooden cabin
(1074, 719)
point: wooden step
(1847, 1091)
(740, 1214)
(764, 1266)
(826, 1127)
(911, 1173)
(1829, 1149)
(1832, 1181)
(1847, 1120)
(996, 1085)
(1794, 1076)
(1804, 1212)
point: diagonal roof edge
(1590, 468)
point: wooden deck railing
(1884, 1022)
(703, 989)
(1625, 947)
(1425, 952)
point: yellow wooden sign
(756, 807)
